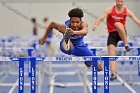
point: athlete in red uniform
(116, 19)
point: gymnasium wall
(15, 16)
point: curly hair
(76, 12)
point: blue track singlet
(79, 48)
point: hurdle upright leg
(33, 75)
(94, 75)
(21, 75)
(106, 74)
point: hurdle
(21, 72)
(106, 60)
(95, 49)
(33, 60)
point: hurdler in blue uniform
(79, 48)
(74, 31)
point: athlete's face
(75, 23)
(119, 3)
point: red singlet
(115, 17)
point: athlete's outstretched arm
(102, 17)
(133, 17)
(52, 25)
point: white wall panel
(15, 24)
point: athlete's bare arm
(102, 17)
(133, 17)
(52, 25)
